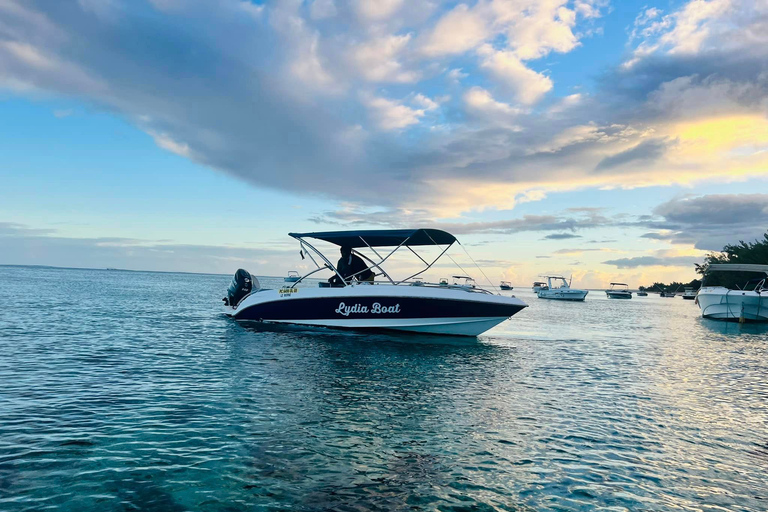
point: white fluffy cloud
(377, 60)
(449, 102)
(458, 31)
(527, 85)
(392, 115)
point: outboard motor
(242, 284)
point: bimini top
(737, 267)
(382, 237)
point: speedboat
(537, 285)
(619, 291)
(689, 293)
(292, 277)
(408, 304)
(723, 303)
(506, 285)
(642, 293)
(557, 288)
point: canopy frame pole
(383, 260)
(377, 265)
(429, 265)
(301, 244)
(318, 269)
(330, 265)
(386, 257)
(417, 255)
(369, 246)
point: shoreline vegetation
(743, 252)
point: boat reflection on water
(735, 329)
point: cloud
(456, 32)
(711, 221)
(378, 9)
(653, 261)
(22, 245)
(289, 95)
(561, 236)
(391, 114)
(377, 60)
(398, 218)
(322, 9)
(527, 85)
(646, 151)
(62, 113)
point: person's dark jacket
(351, 265)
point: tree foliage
(743, 252)
(672, 287)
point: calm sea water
(130, 391)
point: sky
(608, 141)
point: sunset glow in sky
(601, 139)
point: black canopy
(382, 237)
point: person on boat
(350, 265)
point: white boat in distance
(557, 288)
(404, 305)
(292, 277)
(619, 291)
(506, 285)
(537, 285)
(721, 303)
(689, 293)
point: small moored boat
(619, 291)
(689, 293)
(537, 285)
(557, 288)
(506, 285)
(292, 277)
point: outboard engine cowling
(241, 285)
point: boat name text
(376, 309)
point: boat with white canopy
(379, 301)
(748, 302)
(558, 288)
(619, 291)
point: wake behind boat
(357, 301)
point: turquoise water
(130, 391)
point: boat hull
(404, 308)
(719, 303)
(567, 294)
(619, 295)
